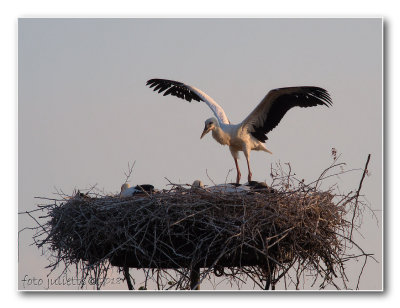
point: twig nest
(240, 231)
(228, 188)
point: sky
(84, 111)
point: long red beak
(205, 131)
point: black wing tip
(161, 80)
(320, 93)
(174, 88)
(153, 79)
(150, 81)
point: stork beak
(205, 131)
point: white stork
(252, 132)
(127, 191)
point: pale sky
(85, 112)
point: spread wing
(188, 93)
(267, 115)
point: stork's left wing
(184, 91)
(267, 115)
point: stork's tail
(263, 148)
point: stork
(128, 191)
(251, 133)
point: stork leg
(238, 171)
(248, 166)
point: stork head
(209, 125)
(125, 186)
(197, 184)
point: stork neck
(220, 136)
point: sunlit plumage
(127, 191)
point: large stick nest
(261, 234)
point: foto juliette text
(47, 283)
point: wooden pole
(128, 277)
(195, 278)
(269, 270)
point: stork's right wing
(267, 115)
(188, 93)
